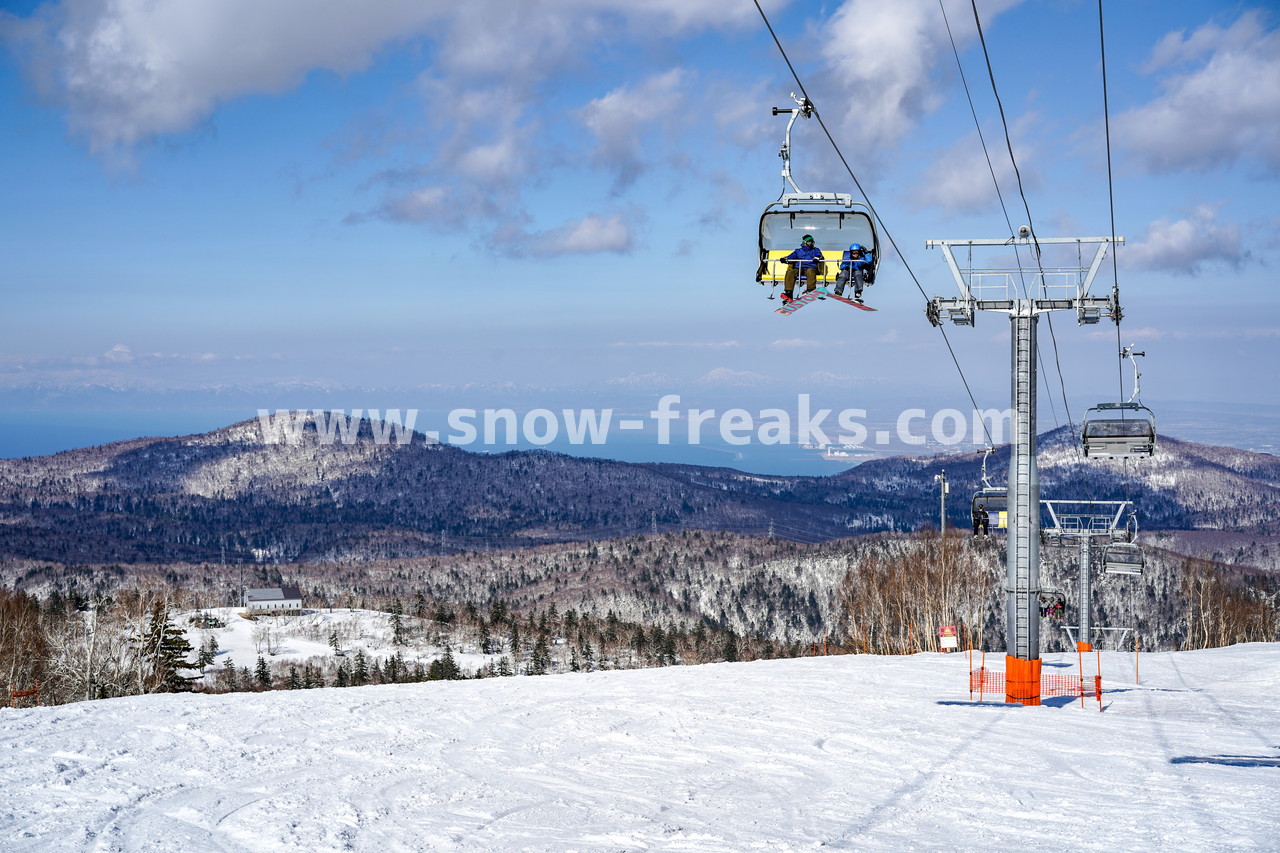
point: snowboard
(855, 303)
(813, 296)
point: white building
(275, 599)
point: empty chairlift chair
(1120, 429)
(1123, 558)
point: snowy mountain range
(227, 495)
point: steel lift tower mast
(1024, 293)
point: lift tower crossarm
(1084, 277)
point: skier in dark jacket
(981, 520)
(807, 261)
(857, 266)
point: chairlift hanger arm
(804, 107)
(1128, 352)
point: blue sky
(211, 207)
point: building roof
(278, 593)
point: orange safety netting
(983, 681)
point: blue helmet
(855, 247)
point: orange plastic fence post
(1097, 683)
(982, 675)
(1080, 663)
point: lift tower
(1024, 292)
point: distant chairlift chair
(1123, 558)
(1116, 430)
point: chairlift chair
(834, 220)
(993, 499)
(1123, 558)
(996, 503)
(1116, 430)
(1053, 604)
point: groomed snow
(858, 753)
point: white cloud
(584, 236)
(682, 344)
(796, 343)
(130, 70)
(1185, 246)
(619, 120)
(959, 178)
(1224, 111)
(885, 55)
(420, 205)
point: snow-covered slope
(859, 753)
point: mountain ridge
(188, 498)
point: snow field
(856, 752)
(300, 638)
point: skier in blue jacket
(857, 266)
(807, 261)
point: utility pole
(943, 491)
(1023, 294)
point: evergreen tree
(208, 649)
(449, 669)
(262, 674)
(360, 675)
(667, 648)
(343, 676)
(333, 641)
(498, 612)
(397, 624)
(731, 647)
(230, 677)
(638, 640)
(393, 672)
(504, 666)
(540, 659)
(162, 652)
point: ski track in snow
(843, 753)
